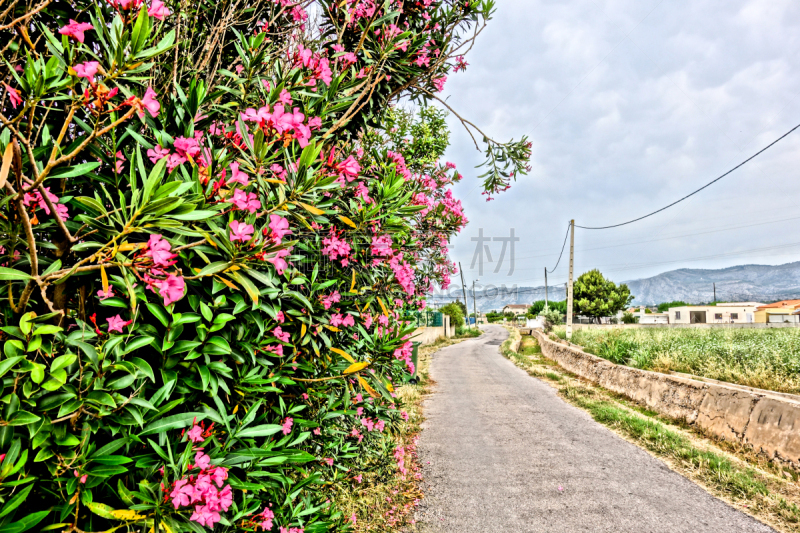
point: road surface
(497, 444)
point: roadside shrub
(628, 318)
(552, 318)
(209, 236)
(456, 314)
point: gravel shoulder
(497, 444)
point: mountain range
(752, 283)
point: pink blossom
(279, 226)
(77, 474)
(171, 289)
(13, 95)
(282, 336)
(245, 201)
(280, 317)
(118, 164)
(182, 493)
(287, 426)
(328, 461)
(204, 516)
(349, 168)
(331, 299)
(195, 434)
(404, 415)
(158, 10)
(158, 248)
(237, 176)
(219, 475)
(285, 97)
(266, 515)
(157, 153)
(336, 320)
(106, 295)
(201, 460)
(187, 147)
(149, 101)
(358, 478)
(240, 231)
(116, 323)
(439, 83)
(87, 70)
(278, 261)
(75, 29)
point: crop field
(761, 358)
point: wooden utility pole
(569, 284)
(715, 293)
(545, 290)
(464, 291)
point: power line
(562, 252)
(773, 143)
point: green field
(761, 358)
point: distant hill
(759, 283)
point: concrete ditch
(768, 423)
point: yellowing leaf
(385, 312)
(347, 221)
(343, 354)
(356, 367)
(8, 155)
(236, 409)
(367, 387)
(128, 246)
(104, 279)
(311, 209)
(226, 282)
(278, 182)
(101, 509)
(389, 386)
(353, 284)
(332, 328)
(127, 514)
(303, 329)
(366, 306)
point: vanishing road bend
(497, 444)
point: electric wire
(562, 251)
(770, 145)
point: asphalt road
(497, 445)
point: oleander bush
(214, 218)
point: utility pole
(464, 291)
(715, 293)
(474, 305)
(569, 285)
(546, 308)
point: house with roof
(779, 312)
(727, 313)
(516, 309)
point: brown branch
(27, 15)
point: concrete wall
(429, 335)
(744, 314)
(767, 422)
(733, 326)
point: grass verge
(736, 476)
(384, 502)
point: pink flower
(282, 336)
(13, 95)
(115, 323)
(149, 102)
(219, 475)
(287, 426)
(358, 478)
(349, 168)
(171, 289)
(316, 431)
(285, 97)
(267, 516)
(439, 83)
(157, 153)
(304, 396)
(158, 248)
(187, 147)
(75, 29)
(195, 434)
(240, 231)
(331, 299)
(278, 261)
(106, 295)
(158, 10)
(87, 70)
(280, 317)
(118, 166)
(328, 461)
(336, 320)
(205, 516)
(77, 474)
(348, 320)
(279, 226)
(404, 415)
(245, 201)
(237, 176)
(201, 460)
(182, 493)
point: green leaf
(144, 367)
(102, 398)
(168, 423)
(160, 313)
(16, 501)
(74, 171)
(137, 343)
(259, 431)
(8, 364)
(9, 274)
(23, 418)
(26, 523)
(163, 45)
(62, 361)
(213, 268)
(47, 330)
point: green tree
(455, 312)
(596, 296)
(664, 307)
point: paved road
(498, 443)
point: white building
(728, 313)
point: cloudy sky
(630, 105)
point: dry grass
(733, 474)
